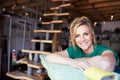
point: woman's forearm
(76, 63)
(56, 58)
(101, 62)
(104, 63)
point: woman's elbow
(108, 65)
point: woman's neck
(89, 50)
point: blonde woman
(84, 52)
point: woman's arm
(106, 61)
(61, 57)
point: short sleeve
(75, 52)
(70, 51)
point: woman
(84, 52)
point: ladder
(32, 62)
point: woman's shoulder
(100, 46)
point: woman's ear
(93, 35)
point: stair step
(53, 22)
(56, 14)
(42, 75)
(21, 75)
(35, 51)
(30, 63)
(42, 41)
(61, 6)
(49, 31)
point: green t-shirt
(76, 52)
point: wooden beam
(91, 10)
(107, 4)
(96, 1)
(9, 3)
(98, 12)
(86, 11)
(93, 17)
(109, 8)
(48, 31)
(82, 2)
(88, 6)
(109, 12)
(20, 1)
(98, 5)
(106, 11)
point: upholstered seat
(64, 72)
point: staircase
(33, 65)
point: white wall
(111, 26)
(16, 41)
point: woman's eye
(76, 36)
(86, 34)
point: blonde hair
(76, 23)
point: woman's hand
(81, 64)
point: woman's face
(83, 37)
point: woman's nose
(82, 38)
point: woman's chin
(84, 48)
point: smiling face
(82, 34)
(84, 38)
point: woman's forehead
(83, 28)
